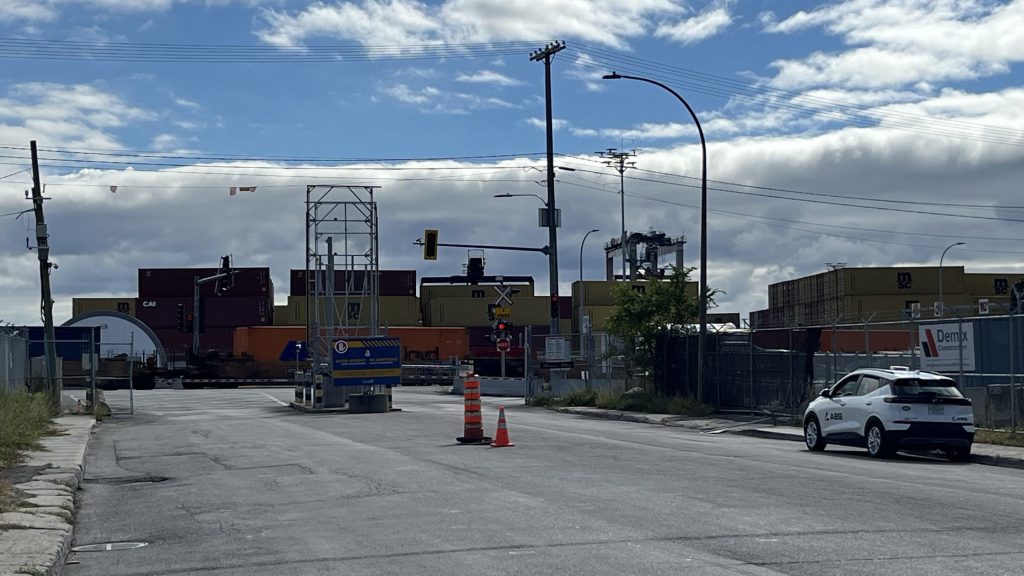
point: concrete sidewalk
(989, 454)
(36, 537)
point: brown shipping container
(598, 317)
(179, 282)
(265, 344)
(390, 283)
(283, 317)
(991, 286)
(85, 305)
(482, 291)
(913, 280)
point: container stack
(249, 302)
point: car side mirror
(824, 393)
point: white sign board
(943, 344)
(556, 349)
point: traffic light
(555, 313)
(179, 320)
(228, 282)
(430, 244)
(189, 323)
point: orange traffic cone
(501, 437)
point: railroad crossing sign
(503, 344)
(503, 313)
(504, 295)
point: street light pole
(703, 296)
(584, 241)
(545, 54)
(942, 303)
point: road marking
(275, 399)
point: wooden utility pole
(53, 387)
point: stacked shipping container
(249, 302)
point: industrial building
(849, 295)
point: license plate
(932, 409)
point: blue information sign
(367, 362)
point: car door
(833, 415)
(858, 406)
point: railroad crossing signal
(503, 313)
(504, 295)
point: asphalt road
(234, 482)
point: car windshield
(916, 387)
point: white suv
(890, 410)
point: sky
(862, 131)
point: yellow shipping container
(473, 311)
(602, 292)
(85, 305)
(598, 318)
(394, 311)
(910, 280)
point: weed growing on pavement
(1000, 437)
(23, 419)
(546, 401)
(581, 397)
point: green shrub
(23, 419)
(581, 397)
(546, 400)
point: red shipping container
(179, 282)
(177, 343)
(391, 282)
(158, 313)
(229, 311)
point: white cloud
(434, 100)
(165, 142)
(403, 93)
(488, 77)
(700, 27)
(409, 22)
(190, 125)
(28, 10)
(905, 42)
(186, 103)
(556, 123)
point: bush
(546, 400)
(581, 397)
(23, 419)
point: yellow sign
(502, 312)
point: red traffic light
(502, 325)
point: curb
(64, 477)
(983, 459)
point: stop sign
(504, 344)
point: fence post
(750, 336)
(92, 372)
(131, 375)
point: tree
(660, 307)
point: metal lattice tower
(341, 242)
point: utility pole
(545, 54)
(617, 160)
(53, 387)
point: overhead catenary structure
(341, 260)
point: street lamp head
(594, 230)
(959, 243)
(612, 76)
(502, 195)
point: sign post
(503, 345)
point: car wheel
(878, 446)
(812, 435)
(960, 454)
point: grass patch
(547, 401)
(1000, 437)
(652, 402)
(24, 418)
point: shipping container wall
(390, 282)
(394, 310)
(266, 344)
(475, 291)
(991, 286)
(598, 317)
(220, 311)
(179, 282)
(177, 343)
(86, 305)
(917, 280)
(602, 292)
(473, 311)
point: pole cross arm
(543, 250)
